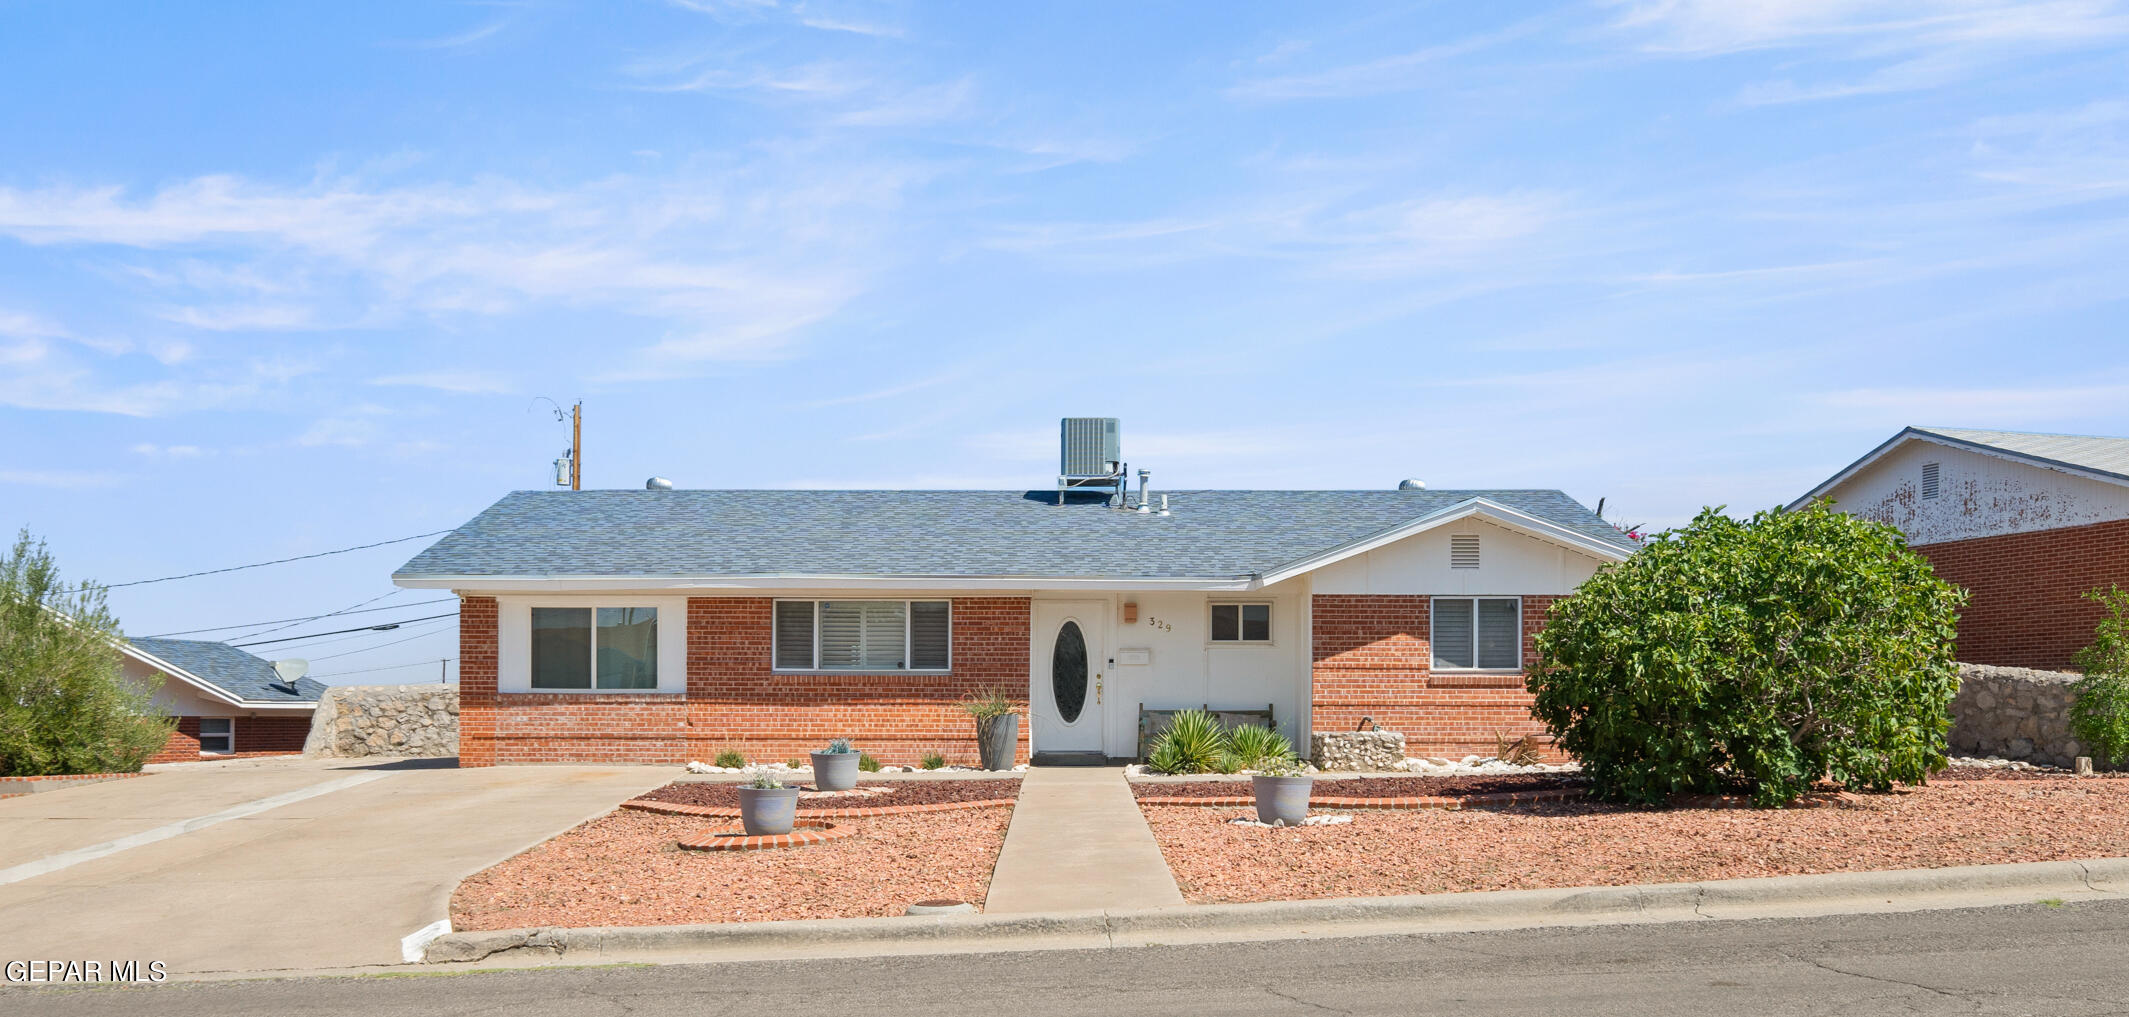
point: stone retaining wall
(385, 720)
(1357, 751)
(2015, 713)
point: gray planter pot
(999, 739)
(1282, 799)
(767, 811)
(835, 771)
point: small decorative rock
(1329, 820)
(2084, 766)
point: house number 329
(1152, 622)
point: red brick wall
(1373, 659)
(2026, 608)
(255, 736)
(735, 701)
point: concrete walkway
(1078, 842)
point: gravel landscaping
(1964, 817)
(626, 869)
(1372, 787)
(902, 792)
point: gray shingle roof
(936, 533)
(2094, 452)
(234, 671)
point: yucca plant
(731, 759)
(1193, 743)
(867, 763)
(1256, 747)
(934, 760)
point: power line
(387, 667)
(330, 614)
(315, 617)
(380, 646)
(387, 626)
(276, 561)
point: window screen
(1452, 633)
(561, 647)
(930, 632)
(217, 734)
(794, 634)
(1477, 633)
(1500, 635)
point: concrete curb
(1835, 893)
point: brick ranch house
(228, 703)
(2025, 522)
(661, 626)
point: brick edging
(1404, 802)
(736, 838)
(721, 812)
(73, 776)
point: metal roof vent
(1931, 482)
(657, 484)
(1411, 484)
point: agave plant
(764, 781)
(839, 747)
(1193, 743)
(1256, 747)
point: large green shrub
(2099, 716)
(1753, 656)
(65, 707)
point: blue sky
(276, 279)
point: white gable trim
(1491, 511)
(1919, 434)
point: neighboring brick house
(2027, 523)
(228, 703)
(663, 626)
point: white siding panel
(1980, 495)
(1511, 564)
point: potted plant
(1281, 787)
(767, 807)
(997, 727)
(836, 767)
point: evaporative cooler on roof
(1089, 455)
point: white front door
(1071, 652)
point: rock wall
(1357, 751)
(2015, 713)
(385, 720)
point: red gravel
(626, 869)
(1582, 843)
(1373, 787)
(725, 794)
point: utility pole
(576, 446)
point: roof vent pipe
(1143, 504)
(657, 484)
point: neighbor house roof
(240, 676)
(765, 538)
(2097, 456)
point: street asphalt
(2029, 959)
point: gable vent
(1930, 486)
(1463, 550)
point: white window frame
(231, 735)
(908, 641)
(513, 649)
(1271, 631)
(1432, 666)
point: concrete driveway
(277, 864)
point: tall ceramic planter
(1282, 800)
(999, 740)
(767, 811)
(835, 771)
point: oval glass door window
(1068, 672)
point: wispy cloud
(1898, 45)
(64, 479)
(1399, 72)
(465, 382)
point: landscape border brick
(736, 838)
(717, 812)
(1404, 802)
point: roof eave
(796, 581)
(174, 671)
(1484, 508)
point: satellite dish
(291, 670)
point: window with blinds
(863, 635)
(1477, 633)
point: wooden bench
(1152, 722)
